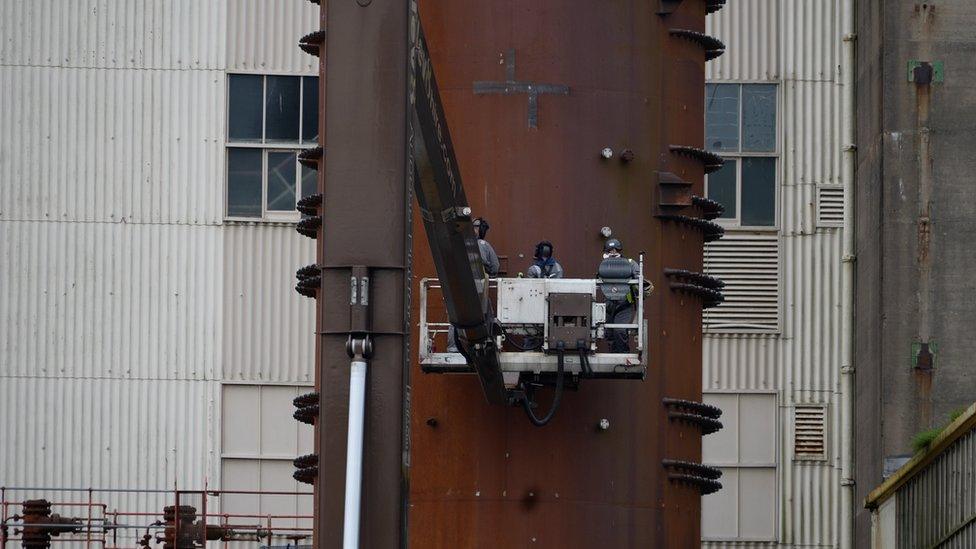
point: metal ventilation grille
(830, 206)
(808, 433)
(749, 266)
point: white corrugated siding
(106, 145)
(263, 36)
(796, 43)
(269, 328)
(109, 300)
(120, 286)
(751, 32)
(78, 433)
(118, 34)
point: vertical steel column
(362, 251)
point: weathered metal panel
(111, 146)
(738, 362)
(263, 36)
(268, 327)
(109, 300)
(815, 514)
(937, 507)
(82, 432)
(116, 34)
(481, 475)
(778, 39)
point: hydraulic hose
(528, 343)
(523, 346)
(584, 361)
(558, 395)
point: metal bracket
(359, 347)
(452, 214)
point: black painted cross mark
(512, 86)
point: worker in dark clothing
(545, 265)
(490, 260)
(621, 305)
(488, 255)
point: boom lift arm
(447, 222)
(562, 316)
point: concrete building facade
(914, 205)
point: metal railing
(88, 521)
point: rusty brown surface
(481, 475)
(319, 309)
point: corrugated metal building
(149, 335)
(931, 500)
(778, 108)
(146, 339)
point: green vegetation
(956, 413)
(923, 440)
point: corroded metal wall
(481, 475)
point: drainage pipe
(846, 388)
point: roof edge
(962, 425)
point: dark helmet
(613, 244)
(481, 226)
(543, 250)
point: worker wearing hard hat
(488, 258)
(545, 264)
(621, 306)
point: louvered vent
(809, 440)
(830, 206)
(749, 266)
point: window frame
(267, 216)
(734, 223)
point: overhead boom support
(448, 224)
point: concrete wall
(915, 227)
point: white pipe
(640, 307)
(847, 286)
(354, 454)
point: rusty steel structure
(564, 120)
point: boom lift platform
(535, 316)
(546, 330)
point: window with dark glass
(270, 119)
(740, 125)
